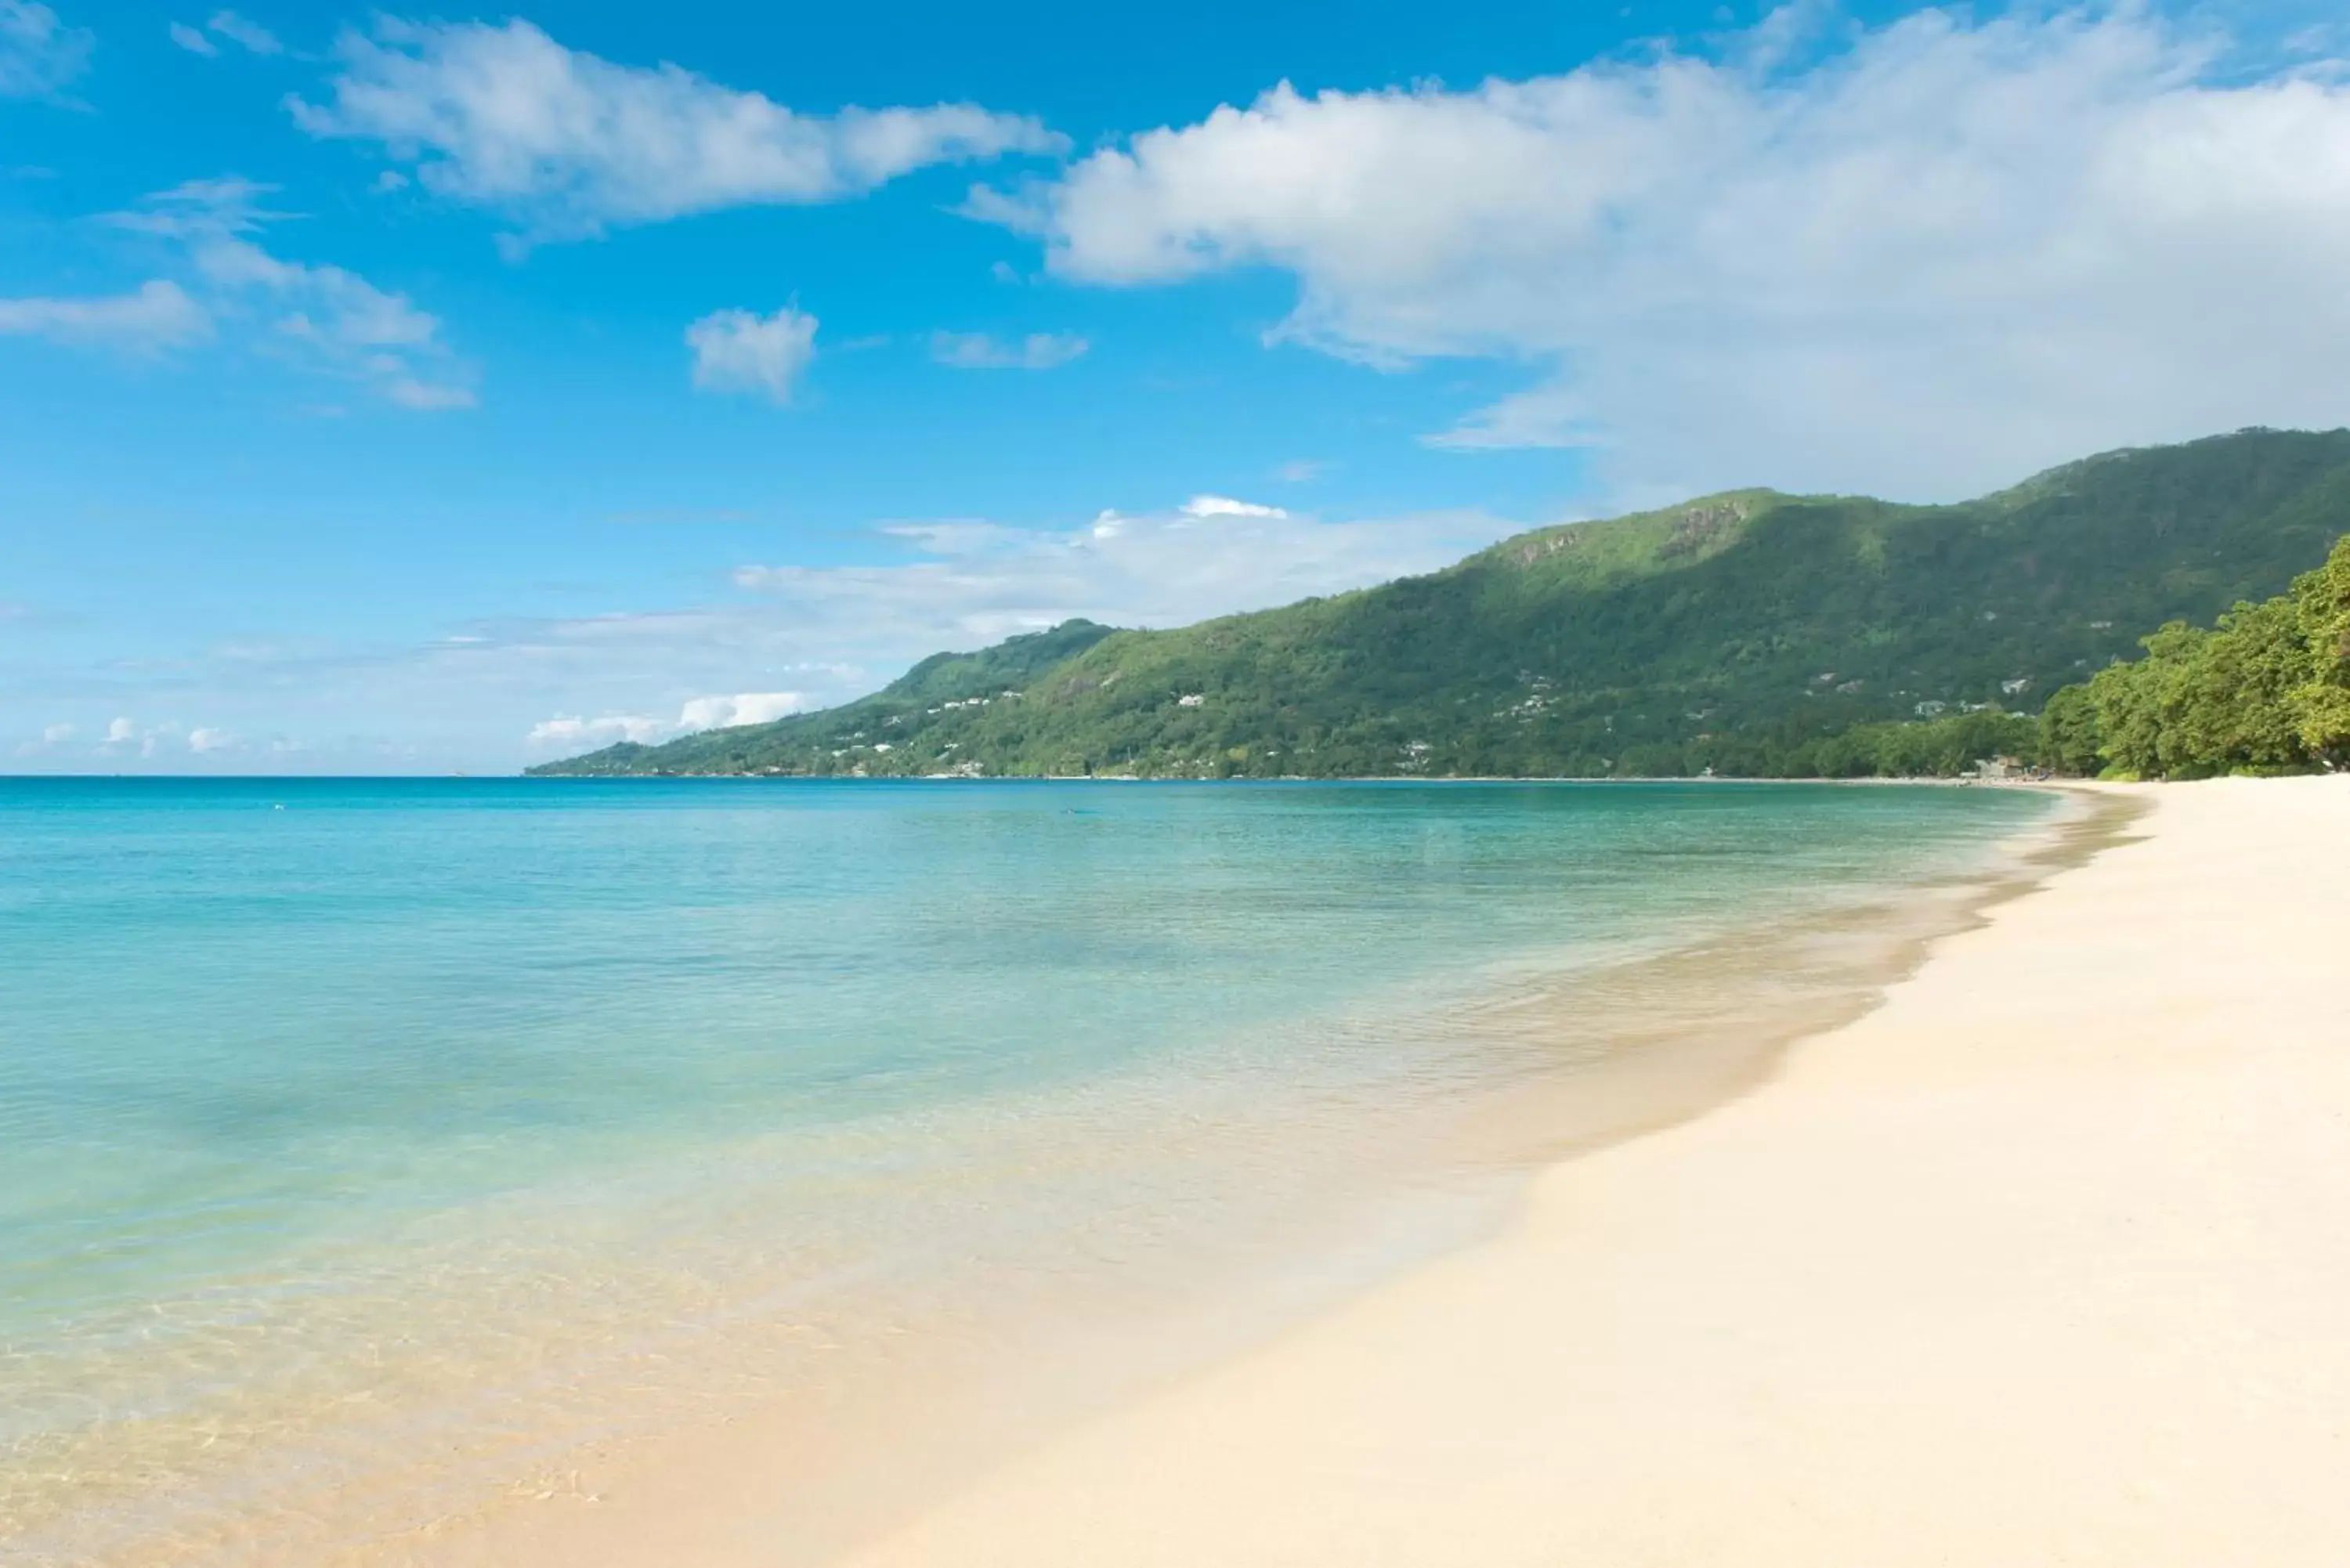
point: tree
(2266, 690)
(2070, 739)
(2323, 600)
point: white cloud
(1926, 260)
(237, 29)
(1300, 470)
(604, 731)
(246, 34)
(156, 316)
(699, 714)
(204, 738)
(323, 317)
(977, 582)
(467, 696)
(1226, 506)
(742, 708)
(566, 144)
(38, 54)
(52, 735)
(740, 351)
(979, 351)
(836, 632)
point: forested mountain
(1730, 632)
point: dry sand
(2046, 1261)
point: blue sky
(416, 391)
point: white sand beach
(2045, 1261)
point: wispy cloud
(325, 319)
(246, 34)
(39, 55)
(154, 316)
(566, 144)
(741, 351)
(242, 30)
(980, 351)
(1918, 259)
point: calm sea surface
(334, 1111)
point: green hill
(1726, 632)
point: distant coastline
(1751, 634)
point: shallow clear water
(397, 1095)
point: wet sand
(2045, 1261)
(810, 1458)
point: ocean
(371, 1149)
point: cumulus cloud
(204, 738)
(613, 727)
(834, 632)
(1927, 260)
(156, 316)
(741, 351)
(1226, 506)
(566, 144)
(126, 737)
(52, 735)
(843, 630)
(324, 318)
(975, 582)
(742, 708)
(779, 638)
(194, 40)
(980, 351)
(39, 53)
(698, 714)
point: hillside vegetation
(2267, 690)
(1748, 633)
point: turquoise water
(403, 1094)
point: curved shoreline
(717, 1498)
(2044, 1261)
(1605, 1055)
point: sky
(419, 391)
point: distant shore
(2016, 781)
(2045, 1261)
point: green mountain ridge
(1726, 632)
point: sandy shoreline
(1544, 1066)
(1839, 1240)
(2045, 1261)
